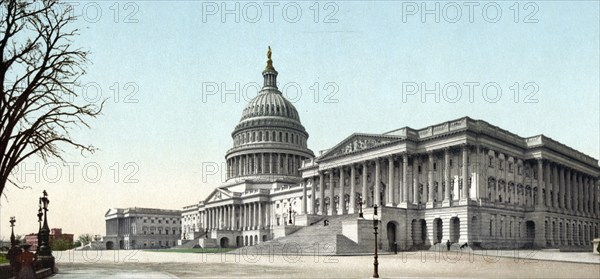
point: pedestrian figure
(448, 244)
(12, 255)
(26, 260)
(395, 247)
(326, 222)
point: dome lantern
(269, 73)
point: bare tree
(39, 71)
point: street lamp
(375, 262)
(360, 205)
(290, 215)
(12, 233)
(44, 234)
(39, 215)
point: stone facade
(463, 181)
(142, 228)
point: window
(501, 165)
(450, 163)
(510, 167)
(491, 162)
(434, 166)
(419, 168)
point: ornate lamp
(12, 233)
(375, 262)
(360, 206)
(290, 215)
(44, 234)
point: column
(579, 194)
(561, 188)
(313, 193)
(352, 189)
(304, 197)
(286, 168)
(415, 173)
(577, 204)
(596, 197)
(262, 163)
(555, 188)
(540, 183)
(331, 210)
(341, 195)
(431, 191)
(464, 194)
(243, 213)
(321, 193)
(364, 183)
(260, 214)
(568, 190)
(271, 163)
(390, 186)
(279, 170)
(447, 176)
(255, 215)
(376, 190)
(595, 194)
(233, 223)
(547, 185)
(404, 164)
(587, 194)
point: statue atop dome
(269, 61)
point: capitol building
(463, 181)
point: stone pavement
(420, 264)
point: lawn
(194, 250)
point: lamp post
(375, 262)
(44, 234)
(290, 215)
(39, 215)
(360, 205)
(12, 233)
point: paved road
(102, 272)
(425, 264)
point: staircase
(440, 247)
(191, 243)
(315, 239)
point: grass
(3, 259)
(194, 250)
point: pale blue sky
(369, 53)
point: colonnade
(420, 180)
(567, 232)
(406, 178)
(263, 163)
(248, 216)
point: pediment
(359, 142)
(219, 194)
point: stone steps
(315, 239)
